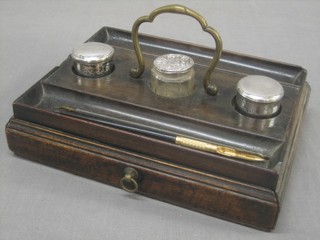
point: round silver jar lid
(259, 96)
(260, 89)
(93, 59)
(173, 63)
(92, 52)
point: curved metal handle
(129, 181)
(178, 9)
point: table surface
(38, 202)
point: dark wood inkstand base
(249, 193)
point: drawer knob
(129, 182)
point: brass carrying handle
(178, 9)
(129, 182)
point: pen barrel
(195, 144)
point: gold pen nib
(231, 152)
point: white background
(38, 202)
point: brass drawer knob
(129, 182)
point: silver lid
(92, 52)
(173, 63)
(259, 96)
(260, 89)
(93, 59)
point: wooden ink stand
(249, 193)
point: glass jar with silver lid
(173, 76)
(93, 59)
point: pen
(179, 140)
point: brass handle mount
(129, 182)
(210, 88)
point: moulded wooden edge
(292, 141)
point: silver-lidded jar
(173, 76)
(259, 96)
(93, 59)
